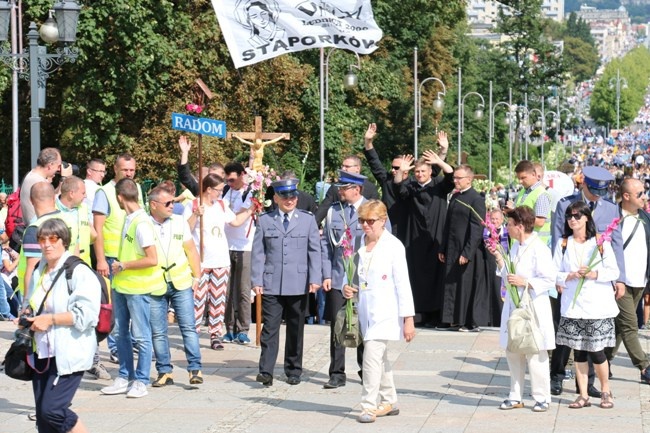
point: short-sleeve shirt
(143, 233)
(239, 238)
(215, 242)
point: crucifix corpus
(256, 141)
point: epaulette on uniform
(305, 211)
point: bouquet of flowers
(351, 336)
(606, 236)
(494, 244)
(194, 108)
(258, 182)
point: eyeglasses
(165, 203)
(52, 239)
(369, 221)
(460, 177)
(349, 165)
(640, 194)
(97, 171)
(395, 167)
(575, 216)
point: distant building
(611, 29)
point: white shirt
(215, 242)
(143, 233)
(636, 250)
(239, 238)
(91, 189)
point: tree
(581, 59)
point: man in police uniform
(340, 215)
(286, 254)
(593, 191)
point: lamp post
(491, 112)
(478, 113)
(350, 81)
(36, 60)
(438, 103)
(568, 118)
(616, 83)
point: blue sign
(199, 125)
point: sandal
(606, 401)
(215, 344)
(580, 403)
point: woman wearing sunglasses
(586, 271)
(385, 308)
(215, 257)
(66, 320)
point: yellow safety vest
(173, 265)
(134, 281)
(22, 260)
(114, 220)
(77, 219)
(544, 232)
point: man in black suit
(351, 164)
(466, 297)
(635, 230)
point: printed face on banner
(257, 30)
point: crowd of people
(428, 251)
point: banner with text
(257, 30)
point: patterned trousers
(213, 287)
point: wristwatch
(120, 266)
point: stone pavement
(446, 382)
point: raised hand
(443, 141)
(407, 163)
(430, 157)
(184, 144)
(370, 132)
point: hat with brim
(350, 179)
(597, 180)
(286, 188)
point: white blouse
(596, 299)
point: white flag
(257, 30)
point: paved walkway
(447, 382)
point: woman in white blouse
(587, 322)
(385, 308)
(533, 272)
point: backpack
(14, 224)
(106, 319)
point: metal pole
(322, 118)
(559, 119)
(490, 132)
(543, 129)
(460, 110)
(527, 133)
(14, 100)
(34, 69)
(618, 99)
(416, 102)
(510, 137)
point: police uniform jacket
(603, 215)
(284, 262)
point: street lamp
(438, 103)
(350, 81)
(491, 112)
(36, 60)
(616, 82)
(478, 115)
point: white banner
(257, 30)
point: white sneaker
(119, 386)
(138, 389)
(98, 371)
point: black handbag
(18, 361)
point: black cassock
(467, 299)
(421, 232)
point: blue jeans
(112, 337)
(5, 294)
(182, 301)
(134, 309)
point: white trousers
(378, 386)
(540, 377)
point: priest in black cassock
(424, 201)
(466, 301)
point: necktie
(592, 205)
(285, 222)
(351, 213)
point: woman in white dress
(534, 272)
(587, 319)
(385, 308)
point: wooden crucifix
(256, 142)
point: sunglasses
(640, 194)
(52, 239)
(165, 203)
(369, 221)
(575, 216)
(395, 167)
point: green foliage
(635, 70)
(581, 59)
(579, 28)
